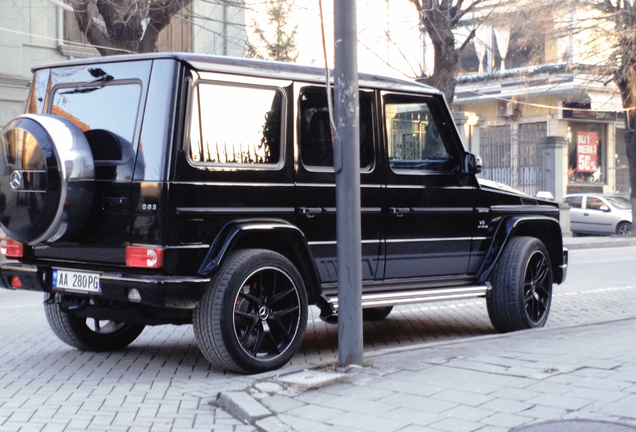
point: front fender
(544, 228)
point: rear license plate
(76, 281)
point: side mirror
(472, 163)
(604, 208)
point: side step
(419, 296)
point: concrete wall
(28, 37)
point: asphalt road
(47, 385)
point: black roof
(251, 67)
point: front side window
(415, 143)
(234, 125)
(594, 203)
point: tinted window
(107, 115)
(315, 129)
(414, 140)
(574, 202)
(234, 125)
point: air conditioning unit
(506, 108)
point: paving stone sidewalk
(494, 383)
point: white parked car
(598, 214)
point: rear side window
(316, 146)
(574, 202)
(236, 126)
(415, 143)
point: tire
(88, 334)
(55, 170)
(253, 314)
(624, 229)
(521, 291)
(243, 329)
(376, 314)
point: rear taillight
(11, 248)
(146, 257)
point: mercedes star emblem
(15, 180)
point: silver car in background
(598, 214)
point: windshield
(620, 203)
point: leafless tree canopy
(116, 26)
(278, 41)
(439, 18)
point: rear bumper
(174, 292)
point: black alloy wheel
(537, 287)
(253, 316)
(266, 313)
(521, 292)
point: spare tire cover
(46, 179)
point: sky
(383, 26)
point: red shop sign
(587, 151)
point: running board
(420, 296)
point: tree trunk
(630, 144)
(123, 20)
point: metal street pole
(347, 167)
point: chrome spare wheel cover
(46, 178)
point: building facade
(535, 97)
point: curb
(573, 243)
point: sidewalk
(583, 377)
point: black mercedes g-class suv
(185, 189)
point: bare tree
(622, 61)
(439, 18)
(116, 26)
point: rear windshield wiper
(101, 77)
(81, 90)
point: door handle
(310, 211)
(399, 211)
(586, 214)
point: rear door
(107, 103)
(316, 188)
